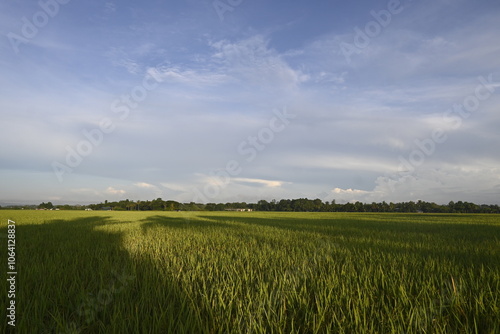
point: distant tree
(211, 207)
(333, 207)
(298, 205)
(47, 205)
(359, 207)
(263, 205)
(158, 204)
(301, 205)
(374, 207)
(284, 205)
(349, 207)
(317, 205)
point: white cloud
(254, 62)
(121, 58)
(110, 7)
(333, 78)
(358, 162)
(144, 185)
(267, 183)
(175, 186)
(131, 66)
(188, 76)
(349, 191)
(113, 191)
(440, 185)
(349, 195)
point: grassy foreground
(218, 272)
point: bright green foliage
(241, 272)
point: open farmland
(241, 272)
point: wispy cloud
(113, 191)
(253, 61)
(267, 183)
(350, 195)
(190, 77)
(144, 185)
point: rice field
(253, 272)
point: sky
(238, 100)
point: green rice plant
(259, 272)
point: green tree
(47, 205)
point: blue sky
(222, 101)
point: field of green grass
(242, 272)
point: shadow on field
(355, 226)
(391, 233)
(76, 277)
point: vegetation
(255, 272)
(285, 205)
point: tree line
(286, 205)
